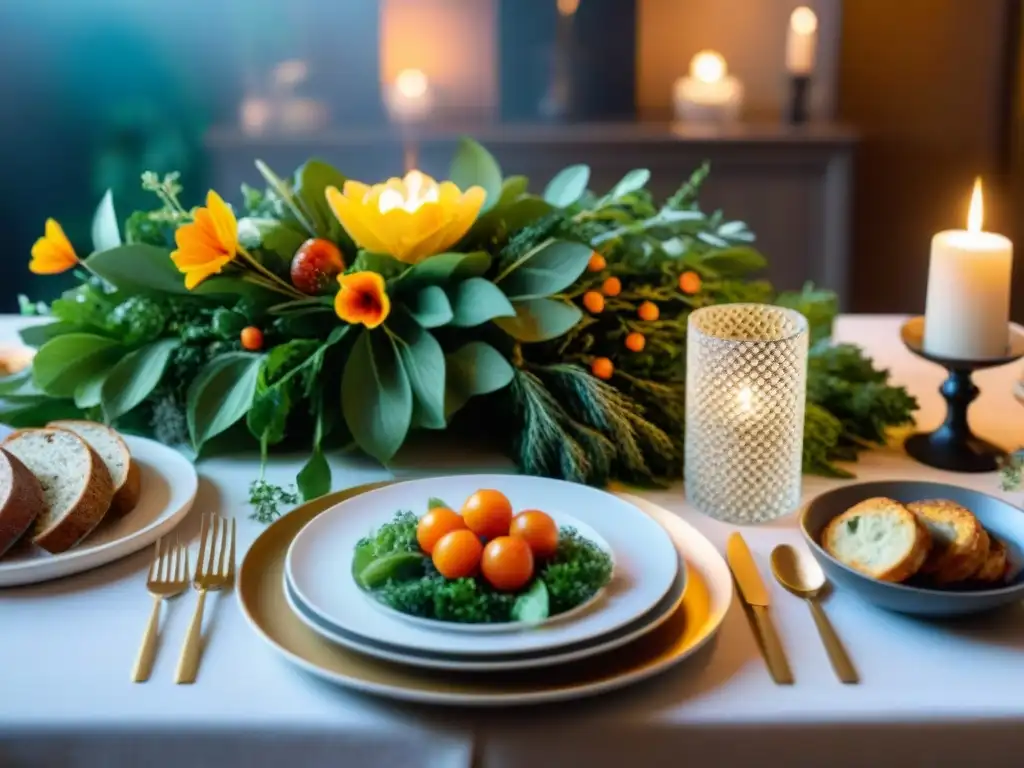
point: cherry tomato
(538, 530)
(487, 513)
(435, 524)
(457, 554)
(507, 563)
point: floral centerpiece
(327, 312)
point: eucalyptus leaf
(443, 269)
(567, 186)
(734, 262)
(105, 232)
(477, 300)
(423, 361)
(383, 264)
(477, 368)
(311, 182)
(134, 377)
(63, 362)
(540, 320)
(431, 307)
(545, 270)
(376, 397)
(221, 394)
(138, 268)
(511, 189)
(631, 182)
(475, 166)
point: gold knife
(744, 570)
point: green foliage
(550, 267)
(221, 394)
(576, 573)
(133, 378)
(443, 269)
(540, 320)
(431, 308)
(474, 369)
(534, 605)
(819, 307)
(376, 396)
(105, 232)
(567, 186)
(266, 500)
(64, 362)
(314, 479)
(477, 300)
(423, 361)
(311, 182)
(289, 200)
(475, 166)
(138, 268)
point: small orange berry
(252, 338)
(594, 302)
(611, 287)
(602, 368)
(597, 262)
(648, 311)
(689, 282)
(635, 342)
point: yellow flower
(410, 218)
(207, 244)
(362, 299)
(52, 253)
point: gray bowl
(998, 517)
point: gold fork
(168, 577)
(209, 578)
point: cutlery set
(169, 577)
(799, 575)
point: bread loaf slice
(111, 447)
(21, 500)
(994, 570)
(75, 482)
(959, 542)
(879, 537)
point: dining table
(932, 693)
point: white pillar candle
(709, 93)
(801, 41)
(967, 313)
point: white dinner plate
(562, 520)
(512, 661)
(169, 485)
(319, 563)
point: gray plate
(998, 517)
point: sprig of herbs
(267, 498)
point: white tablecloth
(932, 694)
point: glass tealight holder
(746, 386)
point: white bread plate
(169, 484)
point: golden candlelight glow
(708, 67)
(411, 83)
(568, 7)
(803, 21)
(976, 213)
(746, 399)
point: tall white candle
(801, 41)
(968, 304)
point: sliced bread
(994, 570)
(75, 482)
(21, 500)
(879, 537)
(959, 543)
(111, 447)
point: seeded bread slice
(959, 543)
(21, 500)
(994, 570)
(880, 538)
(111, 447)
(75, 482)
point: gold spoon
(802, 576)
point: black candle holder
(953, 446)
(799, 95)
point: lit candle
(410, 98)
(968, 303)
(709, 93)
(801, 41)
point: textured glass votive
(746, 384)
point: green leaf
(547, 269)
(314, 479)
(477, 300)
(268, 414)
(522, 212)
(274, 235)
(631, 182)
(568, 186)
(533, 605)
(221, 394)
(734, 262)
(284, 191)
(36, 411)
(384, 265)
(134, 377)
(376, 397)
(436, 503)
(89, 394)
(19, 383)
(474, 165)
(477, 368)
(444, 268)
(399, 566)
(228, 286)
(540, 320)
(431, 307)
(511, 189)
(423, 361)
(105, 233)
(37, 335)
(311, 183)
(63, 362)
(138, 268)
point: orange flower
(52, 253)
(362, 299)
(208, 244)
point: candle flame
(976, 213)
(708, 67)
(411, 83)
(803, 21)
(568, 7)
(745, 397)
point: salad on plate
(484, 564)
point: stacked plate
(667, 595)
